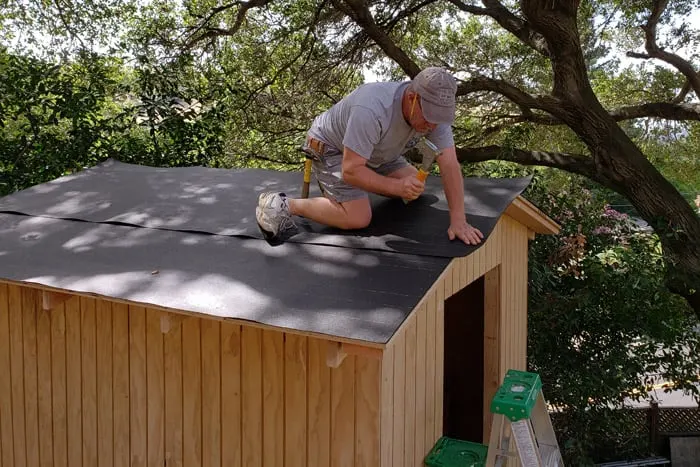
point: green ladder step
(450, 452)
(517, 395)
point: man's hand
(411, 188)
(465, 232)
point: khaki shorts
(327, 164)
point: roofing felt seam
(222, 202)
(195, 228)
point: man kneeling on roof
(357, 147)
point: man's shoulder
(382, 93)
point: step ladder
(520, 415)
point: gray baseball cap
(437, 89)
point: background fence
(645, 431)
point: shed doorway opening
(464, 364)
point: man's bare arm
(356, 173)
(453, 184)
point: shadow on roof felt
(341, 292)
(222, 202)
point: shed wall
(93, 382)
(412, 366)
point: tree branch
(519, 97)
(203, 32)
(666, 110)
(306, 47)
(359, 12)
(683, 92)
(395, 19)
(663, 110)
(654, 51)
(517, 26)
(574, 163)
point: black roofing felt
(196, 228)
(357, 294)
(218, 201)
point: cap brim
(437, 114)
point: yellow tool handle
(422, 175)
(307, 178)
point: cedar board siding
(97, 383)
(412, 371)
(94, 382)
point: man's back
(368, 121)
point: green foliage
(600, 319)
(61, 118)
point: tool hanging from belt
(317, 147)
(307, 177)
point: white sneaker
(273, 216)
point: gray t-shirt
(370, 122)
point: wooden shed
(144, 322)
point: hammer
(430, 152)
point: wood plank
(343, 413)
(368, 377)
(105, 412)
(31, 408)
(448, 289)
(515, 297)
(138, 416)
(439, 359)
(488, 255)
(457, 267)
(17, 374)
(420, 380)
(410, 393)
(478, 264)
(74, 390)
(6, 436)
(431, 366)
(496, 246)
(387, 408)
(191, 393)
(88, 352)
(492, 312)
(172, 349)
(295, 374)
(251, 392)
(510, 290)
(319, 408)
(43, 333)
(155, 389)
(231, 429)
(523, 281)
(120, 384)
(211, 393)
(505, 293)
(398, 441)
(273, 397)
(58, 386)
(468, 270)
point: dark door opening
(464, 364)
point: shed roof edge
(529, 215)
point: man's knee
(358, 214)
(359, 220)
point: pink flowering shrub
(600, 319)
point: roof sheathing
(188, 245)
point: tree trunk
(618, 161)
(657, 201)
